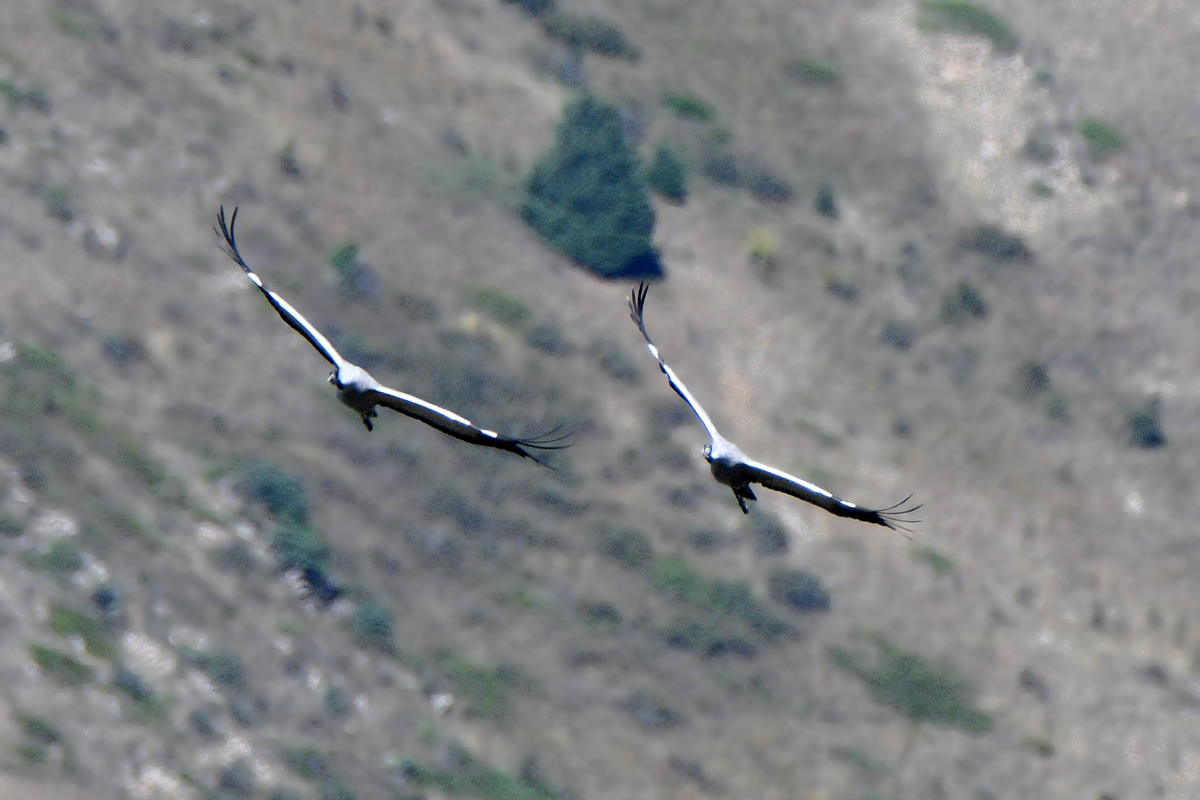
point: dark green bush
(811, 71)
(535, 8)
(1034, 378)
(357, 281)
(968, 18)
(39, 729)
(770, 537)
(300, 546)
(798, 590)
(60, 203)
(1145, 426)
(826, 203)
(689, 106)
(284, 494)
(899, 335)
(923, 690)
(372, 628)
(722, 169)
(236, 780)
(589, 33)
(994, 241)
(459, 772)
(769, 188)
(667, 175)
(614, 360)
(336, 702)
(964, 303)
(1101, 137)
(97, 638)
(587, 198)
(225, 669)
(61, 667)
(63, 558)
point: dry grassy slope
(1073, 553)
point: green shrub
(689, 106)
(336, 702)
(811, 71)
(994, 241)
(60, 203)
(601, 614)
(535, 8)
(39, 729)
(968, 18)
(306, 763)
(61, 667)
(589, 33)
(357, 281)
(629, 547)
(899, 335)
(770, 537)
(1033, 378)
(826, 201)
(97, 639)
(964, 303)
(226, 669)
(300, 546)
(798, 590)
(1101, 137)
(667, 175)
(923, 690)
(1041, 189)
(284, 494)
(708, 635)
(372, 628)
(289, 163)
(1145, 426)
(63, 559)
(587, 198)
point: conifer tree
(587, 197)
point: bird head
(706, 451)
(333, 378)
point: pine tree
(587, 197)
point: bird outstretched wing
(637, 312)
(462, 428)
(290, 315)
(893, 517)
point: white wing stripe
(327, 348)
(796, 481)
(449, 415)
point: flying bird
(362, 393)
(732, 467)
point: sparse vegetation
(357, 281)
(498, 305)
(1041, 189)
(826, 203)
(899, 335)
(628, 547)
(921, 689)
(972, 19)
(587, 197)
(461, 773)
(939, 563)
(485, 691)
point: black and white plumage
(362, 393)
(732, 467)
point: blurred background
(902, 247)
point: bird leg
(743, 493)
(366, 418)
